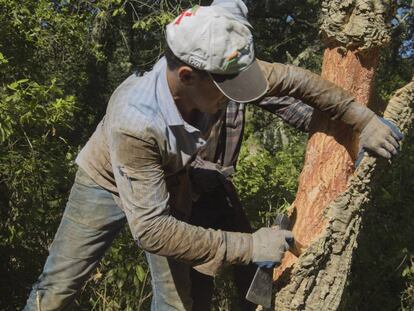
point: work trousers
(90, 223)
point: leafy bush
(34, 119)
(267, 178)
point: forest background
(59, 63)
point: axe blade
(260, 290)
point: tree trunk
(326, 224)
(318, 280)
(331, 148)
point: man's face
(204, 94)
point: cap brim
(246, 86)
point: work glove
(270, 245)
(380, 136)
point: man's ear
(186, 75)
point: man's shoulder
(138, 93)
(134, 105)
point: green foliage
(267, 178)
(60, 61)
(122, 281)
(3, 60)
(34, 120)
(407, 297)
(285, 28)
(158, 21)
(42, 110)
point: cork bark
(318, 280)
(353, 31)
(330, 198)
(356, 24)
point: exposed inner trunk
(331, 149)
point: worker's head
(194, 86)
(211, 54)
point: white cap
(235, 7)
(210, 38)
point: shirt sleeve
(338, 104)
(291, 110)
(140, 180)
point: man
(136, 166)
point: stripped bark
(318, 280)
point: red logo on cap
(186, 13)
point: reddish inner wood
(331, 149)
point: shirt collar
(166, 102)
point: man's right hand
(381, 136)
(270, 245)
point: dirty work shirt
(138, 151)
(142, 147)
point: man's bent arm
(142, 188)
(291, 110)
(287, 80)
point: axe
(260, 290)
